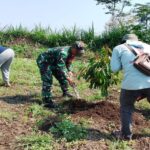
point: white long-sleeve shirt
(122, 59)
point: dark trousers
(127, 101)
(47, 74)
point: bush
(68, 130)
(51, 38)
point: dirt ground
(104, 116)
(11, 129)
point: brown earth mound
(101, 110)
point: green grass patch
(36, 110)
(36, 142)
(25, 72)
(145, 131)
(5, 114)
(69, 131)
(143, 104)
(119, 145)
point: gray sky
(54, 13)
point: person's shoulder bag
(142, 60)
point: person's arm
(116, 61)
(61, 65)
(69, 65)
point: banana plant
(98, 72)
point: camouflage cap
(80, 46)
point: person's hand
(70, 74)
(71, 82)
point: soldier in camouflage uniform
(57, 62)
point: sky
(54, 13)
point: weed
(36, 141)
(68, 130)
(119, 145)
(7, 114)
(36, 110)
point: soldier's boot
(48, 103)
(67, 94)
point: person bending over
(57, 62)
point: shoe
(66, 94)
(50, 104)
(119, 136)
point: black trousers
(127, 101)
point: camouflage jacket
(58, 58)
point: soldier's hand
(71, 82)
(70, 74)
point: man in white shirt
(135, 84)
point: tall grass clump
(10, 33)
(40, 37)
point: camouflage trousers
(47, 72)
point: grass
(36, 141)
(144, 104)
(36, 110)
(26, 87)
(8, 115)
(69, 131)
(41, 37)
(26, 83)
(119, 145)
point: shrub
(68, 130)
(52, 38)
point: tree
(115, 7)
(142, 12)
(98, 72)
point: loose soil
(103, 118)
